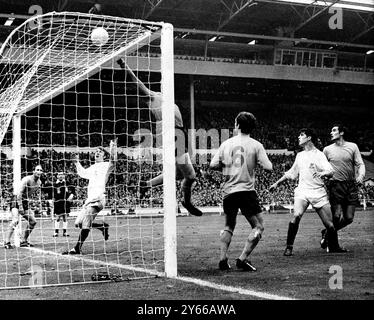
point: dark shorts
(246, 201)
(343, 193)
(61, 207)
(14, 203)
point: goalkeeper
(97, 176)
(184, 166)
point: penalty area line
(196, 281)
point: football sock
(291, 234)
(82, 237)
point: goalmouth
(61, 91)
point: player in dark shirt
(29, 189)
(184, 168)
(349, 173)
(62, 196)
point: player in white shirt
(310, 167)
(238, 158)
(97, 176)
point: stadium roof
(268, 21)
(362, 5)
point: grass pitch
(306, 275)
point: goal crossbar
(26, 106)
(92, 60)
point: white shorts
(316, 197)
(84, 219)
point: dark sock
(291, 234)
(338, 222)
(332, 238)
(186, 189)
(99, 226)
(82, 237)
(27, 233)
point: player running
(97, 176)
(310, 167)
(184, 168)
(345, 158)
(238, 157)
(30, 188)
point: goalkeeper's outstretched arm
(140, 84)
(155, 103)
(113, 152)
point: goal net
(62, 94)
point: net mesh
(72, 97)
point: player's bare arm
(361, 170)
(278, 182)
(140, 84)
(285, 177)
(22, 189)
(82, 172)
(217, 166)
(112, 152)
(156, 97)
(263, 159)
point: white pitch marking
(199, 282)
(232, 289)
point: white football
(99, 36)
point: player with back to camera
(30, 187)
(97, 176)
(238, 158)
(349, 172)
(184, 168)
(310, 167)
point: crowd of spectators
(278, 127)
(123, 184)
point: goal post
(16, 155)
(61, 93)
(170, 202)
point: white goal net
(63, 94)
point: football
(99, 36)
